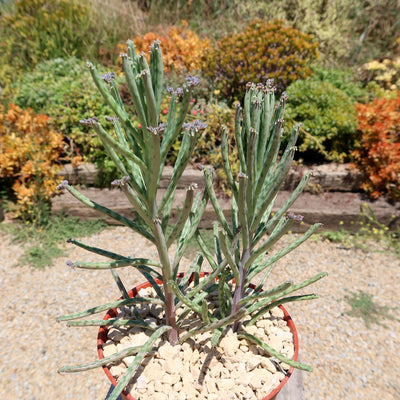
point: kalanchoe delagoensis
(241, 253)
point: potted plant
(206, 319)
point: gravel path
(350, 361)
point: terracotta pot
(112, 313)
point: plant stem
(170, 315)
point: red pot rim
(112, 313)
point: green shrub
(328, 118)
(32, 31)
(261, 52)
(343, 80)
(64, 90)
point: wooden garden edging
(331, 197)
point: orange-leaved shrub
(182, 48)
(263, 51)
(377, 154)
(30, 151)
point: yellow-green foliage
(328, 117)
(35, 30)
(261, 52)
(30, 152)
(62, 88)
(383, 76)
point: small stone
(211, 386)
(153, 370)
(244, 392)
(178, 386)
(264, 323)
(141, 382)
(173, 365)
(117, 370)
(251, 329)
(195, 372)
(109, 348)
(159, 396)
(253, 362)
(116, 334)
(275, 342)
(216, 372)
(277, 313)
(187, 354)
(139, 339)
(195, 356)
(258, 377)
(128, 360)
(171, 379)
(244, 348)
(289, 352)
(229, 345)
(166, 351)
(271, 384)
(285, 366)
(286, 336)
(145, 292)
(189, 390)
(280, 375)
(268, 364)
(158, 387)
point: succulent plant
(240, 254)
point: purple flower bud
(242, 175)
(116, 182)
(270, 83)
(87, 122)
(170, 90)
(62, 185)
(179, 92)
(192, 81)
(161, 127)
(68, 240)
(295, 217)
(69, 263)
(111, 119)
(108, 77)
(124, 180)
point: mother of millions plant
(241, 250)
